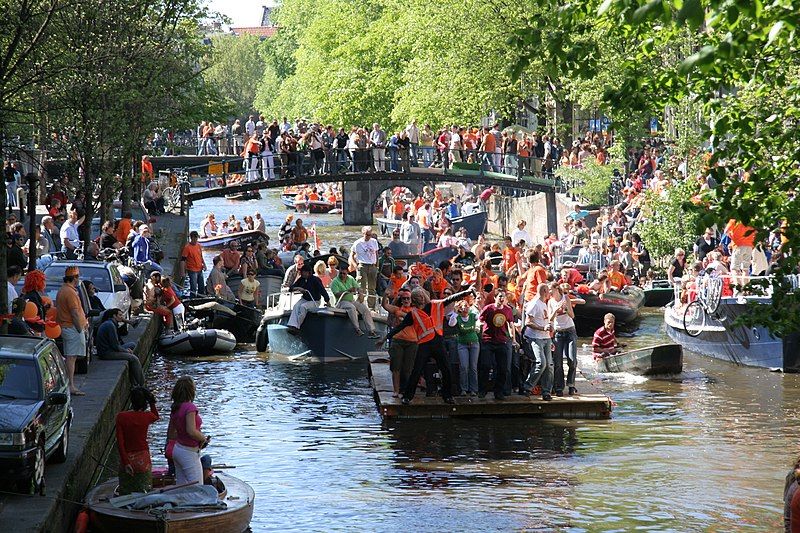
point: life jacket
(423, 326)
(408, 333)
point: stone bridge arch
(358, 197)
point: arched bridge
(361, 189)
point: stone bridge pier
(359, 197)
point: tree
(729, 59)
(235, 68)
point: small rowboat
(197, 341)
(240, 237)
(656, 360)
(242, 196)
(235, 517)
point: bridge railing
(337, 163)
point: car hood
(15, 414)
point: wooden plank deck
(590, 403)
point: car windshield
(99, 276)
(18, 379)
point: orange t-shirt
(123, 229)
(738, 233)
(438, 285)
(397, 282)
(535, 276)
(66, 300)
(398, 208)
(194, 257)
(509, 257)
(617, 280)
(313, 197)
(489, 143)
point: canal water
(704, 450)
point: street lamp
(33, 190)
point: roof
(263, 32)
(20, 346)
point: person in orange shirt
(72, 320)
(192, 256)
(743, 239)
(509, 256)
(123, 227)
(487, 149)
(397, 279)
(398, 208)
(147, 170)
(535, 276)
(313, 196)
(616, 279)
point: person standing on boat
(192, 257)
(312, 290)
(250, 289)
(135, 467)
(426, 317)
(677, 267)
(344, 288)
(562, 316)
(537, 334)
(705, 244)
(411, 234)
(185, 424)
(365, 254)
(604, 341)
(217, 278)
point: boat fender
(82, 522)
(262, 337)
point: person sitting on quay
(604, 341)
(135, 466)
(312, 290)
(153, 301)
(141, 250)
(153, 201)
(344, 287)
(110, 348)
(18, 325)
(172, 302)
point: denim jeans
(414, 154)
(566, 348)
(196, 285)
(453, 361)
(427, 156)
(494, 355)
(468, 356)
(542, 372)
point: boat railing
(285, 301)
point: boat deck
(589, 404)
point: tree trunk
(125, 192)
(3, 265)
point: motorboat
(658, 293)
(433, 256)
(475, 224)
(662, 359)
(239, 237)
(200, 341)
(270, 283)
(325, 335)
(713, 329)
(624, 305)
(224, 506)
(217, 313)
(243, 196)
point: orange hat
(72, 271)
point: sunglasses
(405, 298)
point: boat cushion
(199, 497)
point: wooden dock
(589, 404)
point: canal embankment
(107, 386)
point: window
(56, 366)
(18, 379)
(98, 275)
(48, 379)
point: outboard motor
(262, 336)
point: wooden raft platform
(589, 404)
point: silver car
(108, 284)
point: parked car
(36, 410)
(51, 289)
(108, 283)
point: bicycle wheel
(694, 319)
(169, 197)
(713, 294)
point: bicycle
(172, 195)
(706, 305)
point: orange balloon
(51, 313)
(46, 300)
(31, 310)
(52, 331)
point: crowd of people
(280, 148)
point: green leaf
(700, 58)
(605, 6)
(773, 33)
(692, 13)
(646, 11)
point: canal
(704, 450)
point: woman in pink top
(185, 422)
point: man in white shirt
(539, 343)
(13, 275)
(410, 233)
(455, 145)
(365, 253)
(471, 206)
(520, 234)
(377, 139)
(250, 126)
(69, 234)
(413, 138)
